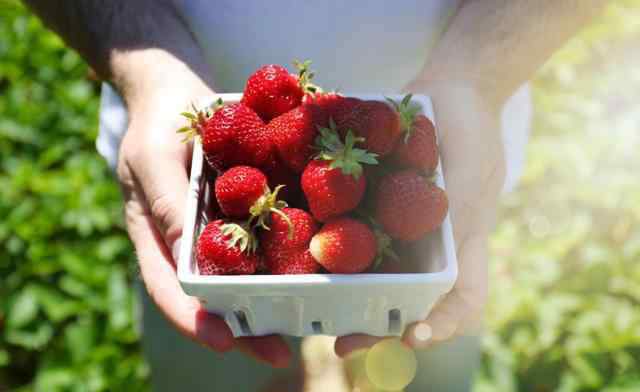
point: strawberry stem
(196, 119)
(265, 205)
(343, 155)
(385, 248)
(407, 113)
(241, 237)
(305, 74)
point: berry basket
(317, 304)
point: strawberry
(374, 121)
(408, 206)
(334, 184)
(286, 243)
(298, 261)
(337, 107)
(238, 189)
(226, 249)
(272, 90)
(278, 174)
(418, 149)
(344, 246)
(294, 233)
(233, 135)
(293, 134)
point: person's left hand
(473, 164)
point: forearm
(142, 47)
(496, 45)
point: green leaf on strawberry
(407, 112)
(343, 155)
(241, 236)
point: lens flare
(390, 365)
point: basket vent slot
(241, 317)
(395, 321)
(316, 327)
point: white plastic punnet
(317, 304)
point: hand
(473, 164)
(153, 171)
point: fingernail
(175, 249)
(422, 332)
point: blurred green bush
(66, 302)
(564, 312)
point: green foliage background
(564, 312)
(66, 305)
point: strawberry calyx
(196, 118)
(407, 113)
(384, 242)
(266, 204)
(343, 156)
(241, 237)
(385, 248)
(305, 74)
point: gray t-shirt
(376, 46)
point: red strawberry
(226, 249)
(298, 261)
(293, 232)
(344, 246)
(238, 189)
(233, 135)
(272, 90)
(408, 206)
(293, 134)
(278, 174)
(286, 243)
(376, 122)
(418, 149)
(337, 107)
(334, 184)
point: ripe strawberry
(418, 149)
(233, 135)
(278, 174)
(238, 189)
(272, 90)
(334, 184)
(408, 206)
(226, 249)
(337, 107)
(293, 134)
(344, 246)
(298, 261)
(291, 233)
(285, 245)
(376, 122)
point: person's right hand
(153, 171)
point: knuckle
(163, 209)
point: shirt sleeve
(113, 121)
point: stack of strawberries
(309, 181)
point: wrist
(450, 95)
(154, 83)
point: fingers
(157, 163)
(165, 183)
(441, 325)
(464, 304)
(160, 279)
(345, 345)
(272, 349)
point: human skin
(490, 48)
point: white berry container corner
(317, 304)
